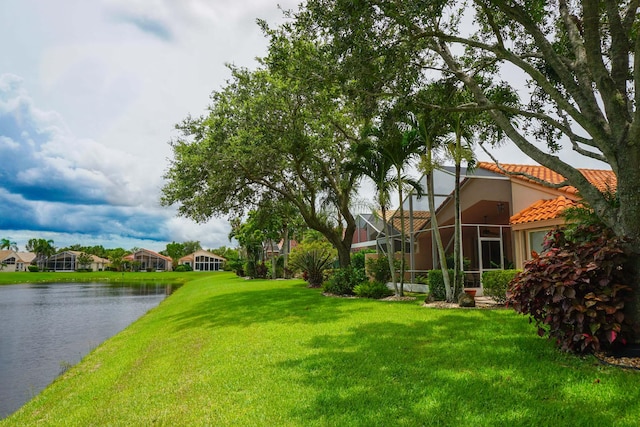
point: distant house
(68, 261)
(505, 215)
(146, 259)
(203, 261)
(11, 261)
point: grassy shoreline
(226, 351)
(169, 277)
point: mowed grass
(223, 351)
(168, 277)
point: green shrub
(495, 283)
(183, 267)
(312, 259)
(379, 268)
(343, 280)
(576, 290)
(375, 290)
(33, 268)
(358, 258)
(261, 271)
(436, 284)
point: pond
(46, 328)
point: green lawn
(227, 351)
(98, 276)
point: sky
(90, 92)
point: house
(203, 261)
(145, 259)
(537, 209)
(504, 212)
(68, 261)
(11, 261)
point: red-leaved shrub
(575, 290)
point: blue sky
(89, 94)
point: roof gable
(200, 252)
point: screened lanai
(486, 235)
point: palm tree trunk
(390, 251)
(402, 238)
(435, 230)
(457, 236)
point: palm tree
(430, 131)
(43, 249)
(372, 162)
(401, 147)
(459, 152)
(8, 244)
(383, 159)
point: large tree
(574, 63)
(270, 131)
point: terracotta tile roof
(542, 210)
(602, 179)
(420, 218)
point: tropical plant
(402, 144)
(116, 258)
(312, 259)
(576, 290)
(429, 129)
(8, 244)
(43, 249)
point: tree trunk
(274, 261)
(344, 255)
(435, 230)
(627, 225)
(457, 236)
(390, 252)
(402, 238)
(285, 251)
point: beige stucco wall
(525, 194)
(473, 191)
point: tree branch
(548, 184)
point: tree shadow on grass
(249, 305)
(441, 373)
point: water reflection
(46, 327)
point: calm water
(47, 327)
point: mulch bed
(482, 303)
(621, 362)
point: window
(205, 263)
(536, 238)
(10, 261)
